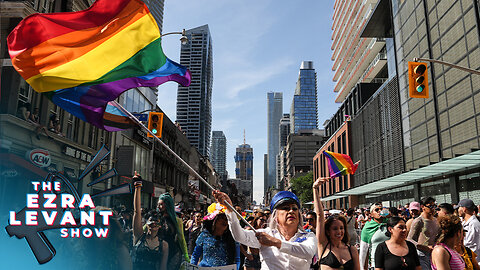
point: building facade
(274, 114)
(219, 154)
(411, 148)
(244, 162)
(304, 110)
(301, 149)
(194, 103)
(156, 7)
(244, 170)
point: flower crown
(213, 210)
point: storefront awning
(448, 167)
(8, 160)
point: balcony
(339, 56)
(368, 56)
(375, 67)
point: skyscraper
(283, 131)
(304, 112)
(275, 112)
(244, 162)
(194, 103)
(244, 168)
(156, 8)
(219, 154)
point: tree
(302, 187)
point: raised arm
(320, 231)
(137, 209)
(245, 237)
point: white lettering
(49, 201)
(31, 218)
(87, 217)
(101, 232)
(32, 200)
(68, 200)
(68, 218)
(13, 220)
(105, 215)
(86, 201)
(49, 219)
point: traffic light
(417, 80)
(155, 123)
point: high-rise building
(244, 167)
(355, 59)
(283, 131)
(274, 114)
(301, 149)
(244, 162)
(409, 148)
(219, 154)
(194, 103)
(156, 7)
(304, 111)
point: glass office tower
(303, 113)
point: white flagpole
(131, 116)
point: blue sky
(258, 47)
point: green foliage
(302, 187)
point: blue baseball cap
(282, 197)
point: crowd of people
(419, 235)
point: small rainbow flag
(339, 164)
(88, 58)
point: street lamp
(183, 39)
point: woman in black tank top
(332, 238)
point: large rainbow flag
(86, 59)
(339, 164)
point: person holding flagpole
(283, 244)
(333, 240)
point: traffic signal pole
(469, 70)
(140, 124)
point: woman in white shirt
(283, 244)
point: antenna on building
(244, 137)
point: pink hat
(414, 206)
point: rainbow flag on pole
(88, 58)
(339, 164)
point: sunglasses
(288, 208)
(432, 206)
(309, 219)
(154, 224)
(377, 209)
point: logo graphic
(56, 205)
(40, 157)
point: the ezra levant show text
(51, 209)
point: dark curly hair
(329, 222)
(449, 226)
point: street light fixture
(183, 39)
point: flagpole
(140, 124)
